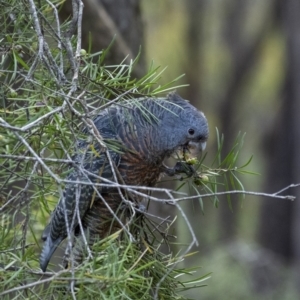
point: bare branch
(293, 185)
(241, 192)
(20, 157)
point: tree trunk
(279, 227)
(292, 25)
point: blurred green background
(241, 61)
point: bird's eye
(191, 131)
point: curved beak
(191, 150)
(195, 148)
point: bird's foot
(179, 168)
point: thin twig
(241, 192)
(59, 43)
(39, 35)
(30, 158)
(293, 185)
(20, 138)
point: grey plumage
(146, 133)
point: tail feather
(48, 250)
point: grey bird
(146, 132)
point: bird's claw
(180, 167)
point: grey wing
(63, 220)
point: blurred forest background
(241, 59)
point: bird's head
(193, 131)
(182, 127)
